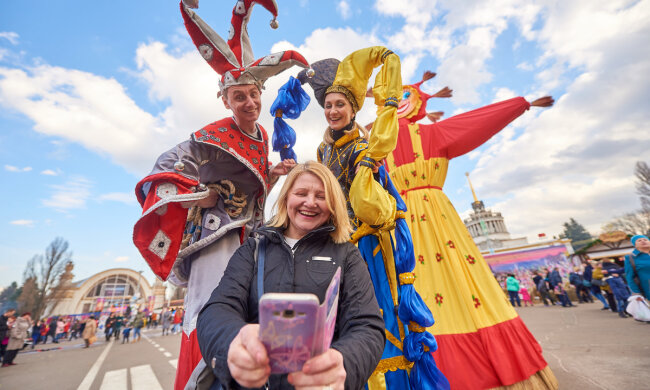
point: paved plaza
(589, 348)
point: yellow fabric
(543, 379)
(451, 275)
(355, 70)
(371, 203)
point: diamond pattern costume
(192, 247)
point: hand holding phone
(248, 361)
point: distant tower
(487, 228)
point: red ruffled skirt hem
(502, 354)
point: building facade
(488, 228)
(112, 290)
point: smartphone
(295, 327)
(288, 329)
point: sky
(92, 92)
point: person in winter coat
(4, 329)
(166, 321)
(597, 280)
(619, 290)
(89, 331)
(17, 335)
(640, 257)
(525, 296)
(578, 282)
(512, 285)
(311, 222)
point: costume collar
(347, 138)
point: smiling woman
(311, 224)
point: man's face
(245, 101)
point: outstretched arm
(465, 132)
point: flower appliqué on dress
(470, 259)
(438, 299)
(477, 302)
(450, 244)
(439, 257)
(421, 259)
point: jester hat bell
(233, 59)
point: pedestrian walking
(17, 335)
(36, 332)
(125, 334)
(4, 330)
(525, 296)
(512, 285)
(166, 321)
(637, 267)
(138, 324)
(88, 333)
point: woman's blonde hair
(333, 196)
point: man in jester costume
(482, 342)
(374, 206)
(206, 195)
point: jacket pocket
(320, 270)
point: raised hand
(546, 101)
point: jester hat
(234, 60)
(350, 77)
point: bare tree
(642, 173)
(45, 270)
(28, 296)
(637, 222)
(631, 223)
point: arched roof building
(109, 290)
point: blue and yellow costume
(376, 211)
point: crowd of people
(18, 332)
(612, 281)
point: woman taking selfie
(311, 221)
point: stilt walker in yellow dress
(482, 342)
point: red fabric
(459, 134)
(188, 358)
(148, 226)
(498, 355)
(225, 135)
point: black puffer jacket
(359, 333)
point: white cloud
(12, 168)
(23, 222)
(71, 195)
(49, 172)
(12, 37)
(123, 197)
(121, 259)
(343, 8)
(576, 159)
(525, 66)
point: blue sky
(92, 92)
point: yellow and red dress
(482, 342)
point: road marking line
(156, 345)
(114, 380)
(90, 377)
(174, 363)
(167, 354)
(143, 378)
(161, 349)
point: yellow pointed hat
(355, 70)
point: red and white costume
(218, 153)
